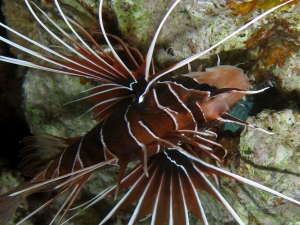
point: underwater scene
(51, 93)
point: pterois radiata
(163, 124)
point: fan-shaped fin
(105, 56)
(198, 148)
(134, 65)
(91, 71)
(166, 194)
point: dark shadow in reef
(273, 99)
(13, 126)
(273, 169)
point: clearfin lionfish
(161, 123)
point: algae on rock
(274, 161)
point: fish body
(161, 124)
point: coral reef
(192, 27)
(272, 160)
(245, 7)
(276, 41)
(40, 86)
(287, 77)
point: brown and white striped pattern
(162, 122)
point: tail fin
(39, 150)
(10, 201)
(8, 206)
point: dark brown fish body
(163, 122)
(187, 103)
(169, 106)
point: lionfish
(160, 122)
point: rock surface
(191, 28)
(271, 160)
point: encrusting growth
(160, 123)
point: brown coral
(245, 7)
(275, 42)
